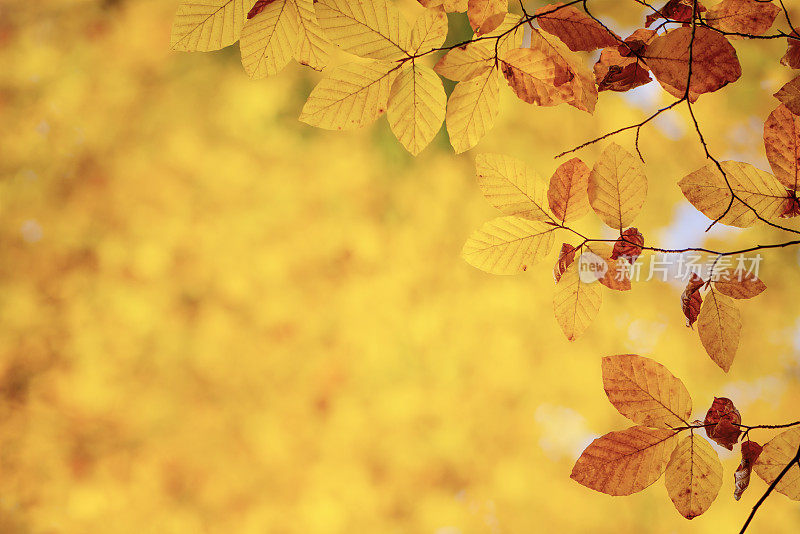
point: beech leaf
(208, 25)
(789, 95)
(269, 40)
(576, 302)
(775, 456)
(567, 194)
(722, 422)
(417, 107)
(752, 17)
(367, 28)
(741, 478)
(693, 476)
(738, 284)
(719, 327)
(471, 110)
(486, 15)
(782, 143)
(511, 186)
(508, 245)
(576, 29)
(617, 187)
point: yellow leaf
(706, 189)
(617, 187)
(429, 31)
(719, 327)
(312, 47)
(567, 194)
(775, 456)
(693, 476)
(269, 39)
(511, 186)
(575, 302)
(782, 144)
(472, 109)
(580, 91)
(738, 284)
(205, 25)
(351, 96)
(645, 392)
(510, 33)
(508, 245)
(417, 104)
(486, 15)
(367, 28)
(465, 62)
(624, 462)
(534, 76)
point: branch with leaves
(627, 461)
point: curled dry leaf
(792, 56)
(486, 15)
(714, 61)
(576, 29)
(792, 208)
(567, 194)
(708, 191)
(617, 187)
(691, 300)
(719, 327)
(693, 476)
(511, 186)
(753, 17)
(565, 258)
(782, 144)
(738, 284)
(258, 8)
(625, 462)
(721, 422)
(789, 95)
(741, 478)
(775, 456)
(613, 72)
(678, 10)
(628, 245)
(576, 302)
(645, 391)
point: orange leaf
(722, 421)
(613, 72)
(534, 76)
(714, 61)
(566, 193)
(782, 143)
(789, 95)
(738, 284)
(775, 456)
(629, 245)
(741, 478)
(565, 258)
(645, 391)
(486, 15)
(577, 30)
(752, 17)
(680, 10)
(691, 300)
(625, 462)
(792, 56)
(693, 476)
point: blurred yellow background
(216, 319)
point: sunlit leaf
(508, 245)
(775, 456)
(207, 25)
(367, 28)
(429, 31)
(693, 476)
(312, 47)
(617, 187)
(471, 110)
(782, 143)
(576, 302)
(417, 107)
(753, 17)
(511, 186)
(575, 28)
(719, 327)
(269, 40)
(567, 194)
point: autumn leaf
(719, 327)
(635, 43)
(714, 61)
(629, 245)
(576, 29)
(269, 40)
(741, 478)
(471, 110)
(510, 33)
(579, 90)
(565, 258)
(707, 190)
(617, 187)
(312, 46)
(205, 25)
(508, 245)
(417, 107)
(678, 10)
(567, 194)
(753, 17)
(789, 95)
(645, 392)
(534, 76)
(625, 462)
(693, 476)
(691, 300)
(782, 143)
(486, 15)
(511, 186)
(792, 56)
(429, 31)
(722, 422)
(350, 96)
(576, 302)
(258, 7)
(613, 72)
(465, 62)
(617, 276)
(775, 456)
(738, 284)
(368, 28)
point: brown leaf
(259, 6)
(691, 300)
(792, 56)
(618, 274)
(782, 143)
(678, 10)
(565, 258)
(567, 194)
(576, 29)
(753, 17)
(792, 208)
(625, 462)
(636, 42)
(714, 61)
(614, 72)
(580, 90)
(486, 15)
(750, 452)
(645, 391)
(738, 284)
(534, 76)
(789, 94)
(629, 245)
(722, 421)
